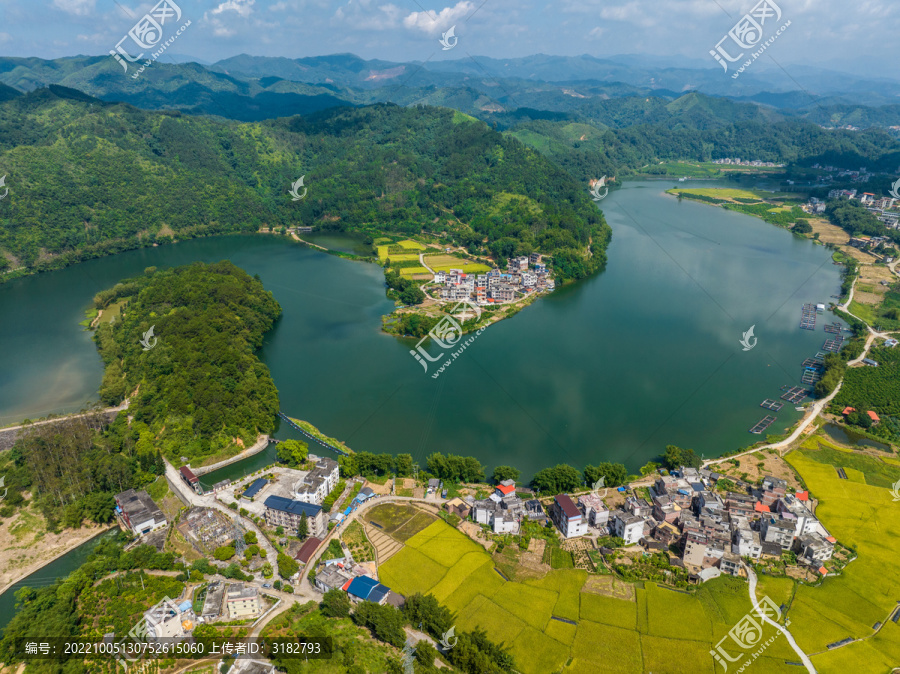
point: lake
(643, 354)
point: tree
(435, 618)
(250, 538)
(404, 465)
(385, 622)
(292, 452)
(613, 474)
(335, 604)
(224, 553)
(676, 457)
(287, 566)
(649, 468)
(303, 527)
(561, 478)
(502, 473)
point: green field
(610, 634)
(411, 245)
(718, 193)
(448, 262)
(668, 631)
(415, 271)
(866, 518)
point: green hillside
(89, 178)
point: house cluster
(503, 511)
(523, 276)
(737, 161)
(715, 532)
(882, 208)
(356, 580)
(711, 532)
(138, 513)
(868, 242)
(230, 601)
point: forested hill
(199, 385)
(87, 178)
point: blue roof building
(284, 512)
(363, 588)
(255, 488)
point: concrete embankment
(256, 448)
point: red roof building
(873, 417)
(506, 489)
(308, 549)
(802, 495)
(848, 410)
(823, 570)
(831, 539)
(760, 508)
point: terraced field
(618, 628)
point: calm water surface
(642, 355)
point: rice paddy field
(653, 628)
(863, 516)
(448, 262)
(659, 630)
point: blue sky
(856, 37)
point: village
(704, 523)
(524, 275)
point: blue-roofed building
(185, 606)
(283, 512)
(254, 488)
(364, 495)
(363, 588)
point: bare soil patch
(609, 587)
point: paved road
(751, 574)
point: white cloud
(240, 7)
(76, 7)
(219, 20)
(434, 24)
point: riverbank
(261, 443)
(26, 546)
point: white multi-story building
(628, 527)
(319, 482)
(567, 517)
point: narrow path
(108, 410)
(819, 405)
(751, 574)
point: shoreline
(30, 570)
(261, 443)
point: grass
(413, 526)
(391, 516)
(863, 311)
(533, 605)
(874, 471)
(448, 262)
(561, 559)
(718, 193)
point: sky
(858, 37)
